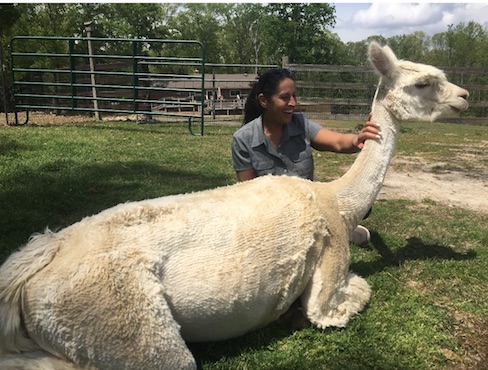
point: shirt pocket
(264, 166)
(303, 164)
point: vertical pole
(13, 93)
(135, 77)
(72, 66)
(4, 84)
(88, 29)
(214, 95)
(202, 113)
(202, 97)
(285, 61)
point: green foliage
(242, 33)
(8, 16)
(242, 37)
(201, 22)
(463, 41)
(412, 47)
(298, 30)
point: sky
(358, 21)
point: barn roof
(223, 80)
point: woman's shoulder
(301, 122)
(248, 129)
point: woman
(276, 140)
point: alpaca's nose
(464, 94)
(463, 104)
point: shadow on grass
(207, 353)
(163, 128)
(415, 249)
(63, 192)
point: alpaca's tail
(14, 273)
(37, 360)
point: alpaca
(126, 288)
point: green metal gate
(109, 76)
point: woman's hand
(371, 130)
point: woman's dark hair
(267, 85)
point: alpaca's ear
(383, 60)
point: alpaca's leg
(334, 294)
(111, 320)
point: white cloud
(397, 15)
(358, 21)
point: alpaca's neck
(358, 188)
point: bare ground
(418, 181)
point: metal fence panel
(108, 76)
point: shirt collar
(289, 130)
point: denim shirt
(251, 149)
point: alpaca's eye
(421, 85)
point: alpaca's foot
(361, 236)
(347, 301)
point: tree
(355, 53)
(137, 20)
(245, 33)
(9, 14)
(465, 41)
(293, 30)
(47, 19)
(463, 45)
(242, 36)
(202, 22)
(414, 46)
(131, 21)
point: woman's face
(281, 105)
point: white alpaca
(126, 288)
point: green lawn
(427, 263)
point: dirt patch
(472, 333)
(413, 179)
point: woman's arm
(328, 140)
(246, 175)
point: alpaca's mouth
(458, 108)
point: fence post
(4, 84)
(285, 61)
(72, 66)
(88, 29)
(135, 77)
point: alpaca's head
(413, 91)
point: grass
(426, 264)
